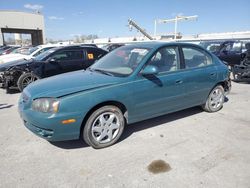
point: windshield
(27, 51)
(44, 55)
(18, 50)
(121, 62)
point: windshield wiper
(102, 71)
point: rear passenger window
(93, 54)
(195, 57)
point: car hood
(12, 57)
(7, 65)
(70, 83)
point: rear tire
(104, 127)
(25, 79)
(8, 90)
(215, 99)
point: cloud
(33, 7)
(55, 18)
(78, 13)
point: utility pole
(175, 20)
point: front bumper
(44, 133)
(9, 80)
(49, 126)
(228, 86)
(1, 80)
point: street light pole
(175, 20)
(155, 27)
(175, 27)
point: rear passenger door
(200, 75)
(92, 54)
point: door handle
(178, 81)
(212, 74)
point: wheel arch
(225, 85)
(221, 83)
(118, 104)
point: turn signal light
(68, 121)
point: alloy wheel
(28, 80)
(216, 99)
(105, 127)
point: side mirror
(150, 70)
(52, 60)
(224, 51)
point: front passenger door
(64, 61)
(158, 94)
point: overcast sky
(108, 18)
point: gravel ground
(190, 148)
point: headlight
(46, 105)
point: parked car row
(241, 73)
(130, 84)
(232, 52)
(235, 54)
(27, 64)
(52, 61)
(7, 49)
(25, 53)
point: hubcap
(105, 127)
(216, 99)
(28, 80)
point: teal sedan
(130, 84)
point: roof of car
(155, 44)
(75, 47)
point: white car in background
(25, 53)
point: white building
(22, 22)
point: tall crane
(176, 19)
(131, 24)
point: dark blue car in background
(232, 52)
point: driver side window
(68, 55)
(166, 59)
(59, 56)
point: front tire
(25, 79)
(104, 127)
(215, 99)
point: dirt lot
(197, 149)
